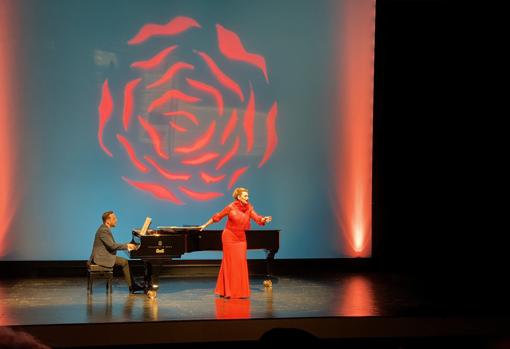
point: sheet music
(146, 224)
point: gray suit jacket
(105, 248)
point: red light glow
(9, 184)
(358, 298)
(353, 127)
(232, 308)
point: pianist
(104, 250)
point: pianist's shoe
(136, 287)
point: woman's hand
(267, 219)
(205, 225)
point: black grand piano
(165, 243)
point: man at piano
(104, 250)
(233, 280)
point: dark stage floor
(331, 306)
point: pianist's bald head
(106, 215)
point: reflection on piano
(162, 244)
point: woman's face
(243, 197)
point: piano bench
(95, 271)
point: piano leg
(269, 261)
(152, 270)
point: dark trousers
(123, 262)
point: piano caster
(268, 283)
(152, 294)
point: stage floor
(348, 305)
(31, 301)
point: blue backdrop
(69, 48)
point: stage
(377, 308)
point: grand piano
(163, 244)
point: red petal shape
(229, 155)
(154, 136)
(249, 121)
(132, 155)
(200, 196)
(156, 190)
(272, 137)
(169, 74)
(153, 62)
(230, 46)
(223, 78)
(184, 113)
(237, 173)
(211, 179)
(105, 112)
(230, 126)
(128, 102)
(167, 174)
(175, 26)
(177, 127)
(172, 94)
(201, 142)
(211, 90)
(201, 159)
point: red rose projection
(187, 126)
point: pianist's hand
(132, 247)
(202, 227)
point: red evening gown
(233, 281)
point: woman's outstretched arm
(216, 218)
(203, 226)
(260, 220)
